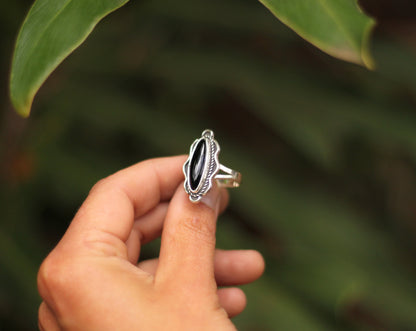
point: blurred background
(327, 150)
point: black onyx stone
(197, 164)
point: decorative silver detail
(212, 166)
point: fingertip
(213, 198)
(258, 264)
(217, 198)
(237, 267)
(233, 300)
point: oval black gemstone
(197, 164)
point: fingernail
(212, 199)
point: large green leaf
(338, 27)
(51, 31)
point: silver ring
(202, 166)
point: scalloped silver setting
(211, 166)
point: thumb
(188, 240)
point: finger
(235, 267)
(145, 229)
(107, 215)
(224, 200)
(188, 242)
(47, 320)
(149, 227)
(233, 300)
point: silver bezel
(211, 166)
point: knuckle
(105, 243)
(53, 277)
(47, 276)
(101, 185)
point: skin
(92, 279)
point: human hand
(91, 280)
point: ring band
(202, 166)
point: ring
(202, 166)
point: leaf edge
(23, 107)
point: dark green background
(327, 150)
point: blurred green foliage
(53, 29)
(327, 151)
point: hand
(91, 280)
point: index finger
(116, 201)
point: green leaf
(338, 27)
(50, 32)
